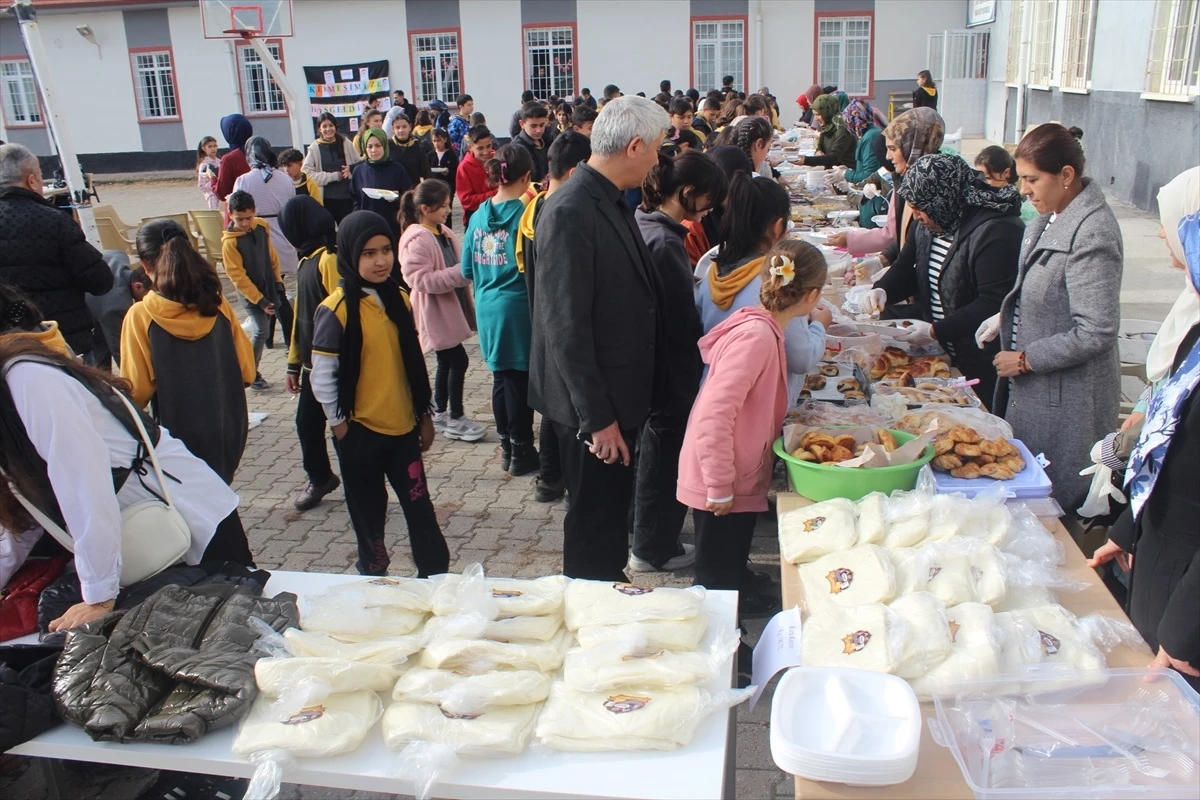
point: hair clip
(784, 268)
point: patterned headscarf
(944, 186)
(859, 116)
(917, 131)
(827, 107)
(260, 156)
(812, 93)
(843, 100)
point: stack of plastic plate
(814, 179)
(845, 726)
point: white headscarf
(1176, 200)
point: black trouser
(310, 430)
(229, 542)
(510, 405)
(368, 458)
(340, 208)
(448, 380)
(657, 516)
(595, 530)
(723, 548)
(284, 315)
(550, 463)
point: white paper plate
(880, 220)
(381, 194)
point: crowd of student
(626, 267)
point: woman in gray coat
(1058, 327)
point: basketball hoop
(246, 20)
(240, 33)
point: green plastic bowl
(826, 481)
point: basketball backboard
(227, 19)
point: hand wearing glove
(874, 302)
(988, 331)
(919, 334)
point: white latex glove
(988, 331)
(1101, 489)
(874, 301)
(919, 334)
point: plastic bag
(908, 518)
(512, 597)
(808, 533)
(468, 694)
(653, 635)
(496, 730)
(869, 636)
(975, 650)
(872, 522)
(852, 305)
(854, 577)
(301, 682)
(821, 414)
(608, 603)
(932, 392)
(945, 416)
(267, 779)
(1029, 539)
(394, 650)
(474, 656)
(619, 664)
(412, 594)
(424, 763)
(509, 629)
(633, 719)
(345, 617)
(928, 642)
(1109, 633)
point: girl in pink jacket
(429, 261)
(725, 466)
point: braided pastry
(943, 445)
(947, 462)
(968, 471)
(967, 450)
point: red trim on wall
(745, 20)
(137, 103)
(411, 96)
(574, 51)
(817, 17)
(237, 57)
(25, 126)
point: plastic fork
(1138, 761)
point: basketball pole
(299, 138)
(80, 199)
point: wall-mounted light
(87, 33)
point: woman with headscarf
(369, 376)
(860, 121)
(835, 144)
(236, 129)
(959, 263)
(328, 162)
(378, 175)
(843, 100)
(270, 188)
(805, 102)
(1157, 537)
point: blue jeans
(260, 320)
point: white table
(703, 769)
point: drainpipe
(758, 76)
(1023, 67)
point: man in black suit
(595, 333)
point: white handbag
(154, 535)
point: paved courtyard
(487, 516)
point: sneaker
(259, 383)
(549, 492)
(439, 421)
(312, 495)
(463, 429)
(684, 559)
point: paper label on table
(778, 648)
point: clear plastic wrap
(928, 642)
(509, 629)
(975, 651)
(810, 532)
(861, 637)
(424, 763)
(609, 603)
(474, 656)
(497, 730)
(267, 779)
(872, 522)
(821, 414)
(394, 650)
(468, 694)
(1108, 633)
(513, 597)
(958, 570)
(989, 426)
(1029, 539)
(344, 617)
(651, 635)
(619, 664)
(852, 577)
(932, 392)
(908, 518)
(301, 682)
(411, 594)
(1061, 639)
(632, 719)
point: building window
(154, 82)
(1012, 73)
(260, 93)
(844, 53)
(550, 61)
(1041, 51)
(21, 105)
(1077, 44)
(1174, 66)
(436, 66)
(718, 49)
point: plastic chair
(210, 225)
(111, 237)
(184, 220)
(110, 213)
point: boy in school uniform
(534, 119)
(292, 160)
(253, 266)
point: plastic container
(879, 220)
(827, 481)
(1118, 733)
(1028, 484)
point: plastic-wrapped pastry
(650, 635)
(976, 651)
(604, 669)
(633, 719)
(872, 526)
(511, 629)
(852, 577)
(912, 569)
(513, 597)
(863, 637)
(412, 594)
(459, 693)
(1026, 597)
(353, 623)
(276, 676)
(950, 577)
(337, 724)
(502, 729)
(928, 642)
(987, 569)
(908, 517)
(946, 514)
(481, 655)
(394, 650)
(1059, 637)
(609, 603)
(813, 531)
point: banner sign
(346, 90)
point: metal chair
(111, 237)
(210, 225)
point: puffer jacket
(172, 669)
(45, 255)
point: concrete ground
(486, 515)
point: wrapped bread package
(502, 729)
(609, 603)
(854, 577)
(872, 523)
(863, 637)
(808, 533)
(354, 623)
(928, 642)
(975, 654)
(482, 655)
(513, 597)
(633, 719)
(613, 666)
(278, 676)
(509, 629)
(393, 650)
(650, 635)
(338, 724)
(413, 594)
(466, 693)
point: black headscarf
(944, 186)
(236, 129)
(307, 225)
(352, 236)
(731, 159)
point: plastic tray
(983, 727)
(1031, 482)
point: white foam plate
(381, 194)
(880, 219)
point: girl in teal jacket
(860, 121)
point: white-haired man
(44, 253)
(595, 333)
